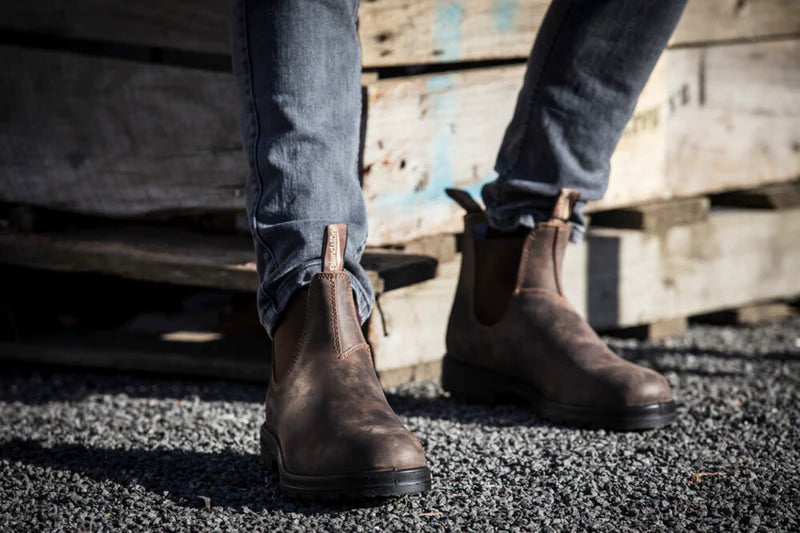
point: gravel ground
(99, 451)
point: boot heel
(268, 459)
(470, 384)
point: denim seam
(257, 127)
(356, 162)
(535, 95)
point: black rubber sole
(472, 383)
(382, 484)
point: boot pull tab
(334, 244)
(463, 198)
(565, 202)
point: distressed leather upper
(527, 329)
(324, 402)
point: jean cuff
(529, 220)
(274, 298)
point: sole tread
(368, 485)
(462, 380)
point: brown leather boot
(329, 431)
(512, 332)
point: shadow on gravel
(504, 412)
(649, 352)
(649, 355)
(199, 480)
(36, 385)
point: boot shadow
(199, 480)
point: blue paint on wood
(443, 103)
(447, 29)
(443, 107)
(504, 13)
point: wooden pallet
(424, 133)
(643, 283)
(634, 282)
(234, 346)
(391, 32)
(120, 137)
(180, 256)
(130, 111)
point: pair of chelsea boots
(329, 431)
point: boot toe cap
(646, 387)
(360, 450)
(396, 451)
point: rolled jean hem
(529, 220)
(577, 233)
(278, 298)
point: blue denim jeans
(297, 66)
(588, 66)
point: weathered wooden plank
(180, 256)
(706, 21)
(396, 32)
(636, 277)
(220, 359)
(392, 32)
(442, 246)
(191, 25)
(112, 137)
(151, 254)
(426, 133)
(622, 279)
(776, 196)
(420, 372)
(654, 216)
(733, 127)
(152, 139)
(735, 116)
(672, 327)
(407, 326)
(754, 313)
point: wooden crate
(671, 262)
(391, 32)
(144, 139)
(736, 126)
(130, 111)
(621, 278)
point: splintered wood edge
(181, 257)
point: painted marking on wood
(447, 20)
(504, 13)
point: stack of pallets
(120, 116)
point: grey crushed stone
(89, 451)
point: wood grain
(632, 278)
(119, 138)
(622, 279)
(735, 116)
(111, 137)
(180, 256)
(709, 119)
(656, 216)
(392, 32)
(685, 270)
